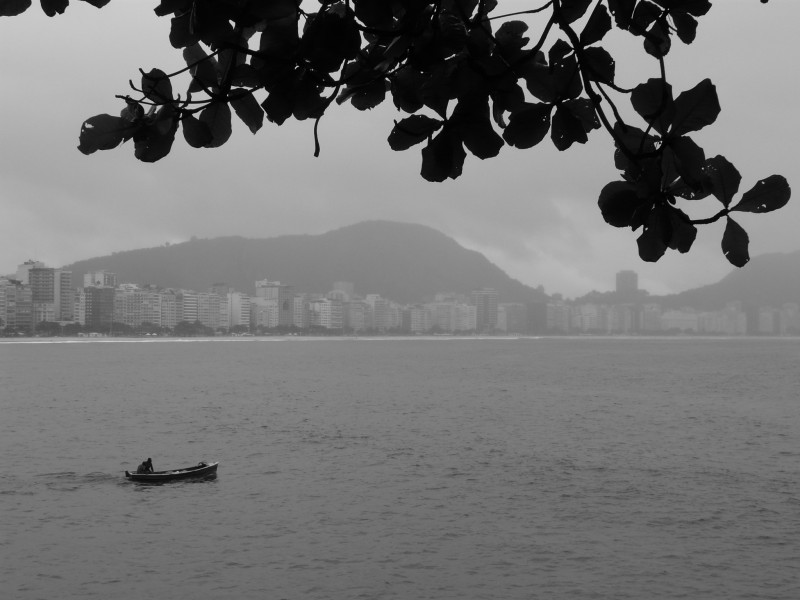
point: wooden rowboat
(200, 470)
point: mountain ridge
(404, 262)
(767, 280)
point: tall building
(300, 315)
(380, 308)
(24, 269)
(627, 284)
(128, 305)
(100, 279)
(485, 302)
(325, 314)
(282, 294)
(52, 293)
(238, 309)
(43, 288)
(65, 295)
(98, 308)
(16, 306)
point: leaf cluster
(467, 80)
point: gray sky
(534, 212)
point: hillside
(767, 280)
(403, 262)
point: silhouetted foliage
(189, 329)
(72, 329)
(469, 79)
(48, 328)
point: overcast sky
(533, 213)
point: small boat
(202, 469)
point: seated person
(146, 466)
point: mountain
(767, 280)
(403, 262)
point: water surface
(470, 469)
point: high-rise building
(16, 306)
(238, 309)
(42, 282)
(24, 269)
(627, 284)
(52, 293)
(282, 294)
(98, 308)
(325, 314)
(65, 295)
(100, 279)
(485, 302)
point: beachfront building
(282, 295)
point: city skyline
(42, 299)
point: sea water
(402, 468)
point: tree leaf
(622, 11)
(657, 42)
(195, 132)
(405, 86)
(653, 102)
(202, 67)
(103, 132)
(598, 25)
(735, 244)
(682, 231)
(156, 86)
(275, 10)
(217, 117)
(366, 97)
(566, 76)
(572, 10)
(411, 131)
(377, 15)
(693, 7)
(583, 110)
(278, 105)
(685, 26)
(567, 129)
(330, 37)
(12, 8)
(765, 196)
(600, 63)
(651, 243)
(472, 122)
(53, 7)
(687, 159)
(722, 178)
(695, 108)
(528, 126)
(167, 7)
(619, 203)
(443, 157)
(539, 81)
(210, 22)
(510, 36)
(180, 30)
(247, 109)
(153, 141)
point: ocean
(447, 468)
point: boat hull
(201, 470)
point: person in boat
(146, 466)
